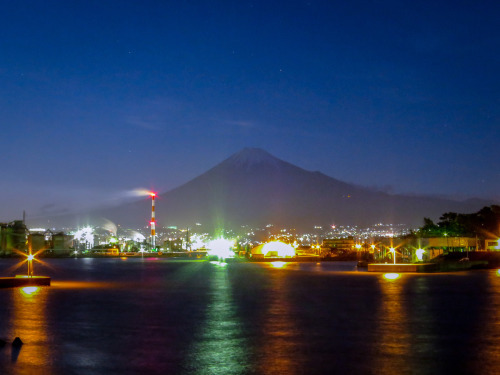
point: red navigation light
(152, 222)
(152, 194)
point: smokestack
(153, 221)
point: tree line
(484, 224)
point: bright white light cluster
(279, 249)
(198, 241)
(220, 248)
(85, 235)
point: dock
(23, 280)
(398, 268)
(448, 266)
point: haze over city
(98, 99)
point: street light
(358, 256)
(420, 254)
(30, 265)
(393, 251)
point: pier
(420, 267)
(23, 280)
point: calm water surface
(155, 316)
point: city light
(29, 291)
(277, 249)
(393, 251)
(221, 248)
(392, 276)
(278, 264)
(85, 236)
(219, 264)
(420, 254)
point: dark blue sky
(101, 97)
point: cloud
(70, 199)
(150, 124)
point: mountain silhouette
(254, 188)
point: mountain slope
(254, 188)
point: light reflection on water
(220, 347)
(156, 316)
(489, 327)
(277, 350)
(392, 348)
(87, 285)
(28, 321)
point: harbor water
(159, 316)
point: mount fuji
(254, 188)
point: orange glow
(278, 264)
(393, 336)
(275, 249)
(88, 285)
(28, 320)
(29, 291)
(28, 258)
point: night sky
(98, 98)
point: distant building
(453, 243)
(173, 245)
(37, 241)
(338, 245)
(62, 243)
(492, 245)
(13, 236)
(40, 240)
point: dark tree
(484, 224)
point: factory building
(13, 237)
